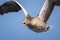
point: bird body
(36, 24)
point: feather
(46, 10)
(24, 10)
(10, 6)
(57, 2)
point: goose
(37, 23)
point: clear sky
(11, 27)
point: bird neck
(28, 17)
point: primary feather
(10, 6)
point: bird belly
(36, 28)
(37, 25)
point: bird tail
(48, 28)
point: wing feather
(24, 10)
(57, 2)
(46, 10)
(9, 6)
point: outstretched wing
(10, 6)
(46, 10)
(24, 10)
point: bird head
(26, 21)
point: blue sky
(11, 27)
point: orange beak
(25, 22)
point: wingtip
(1, 13)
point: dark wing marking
(10, 6)
(57, 2)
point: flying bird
(37, 23)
